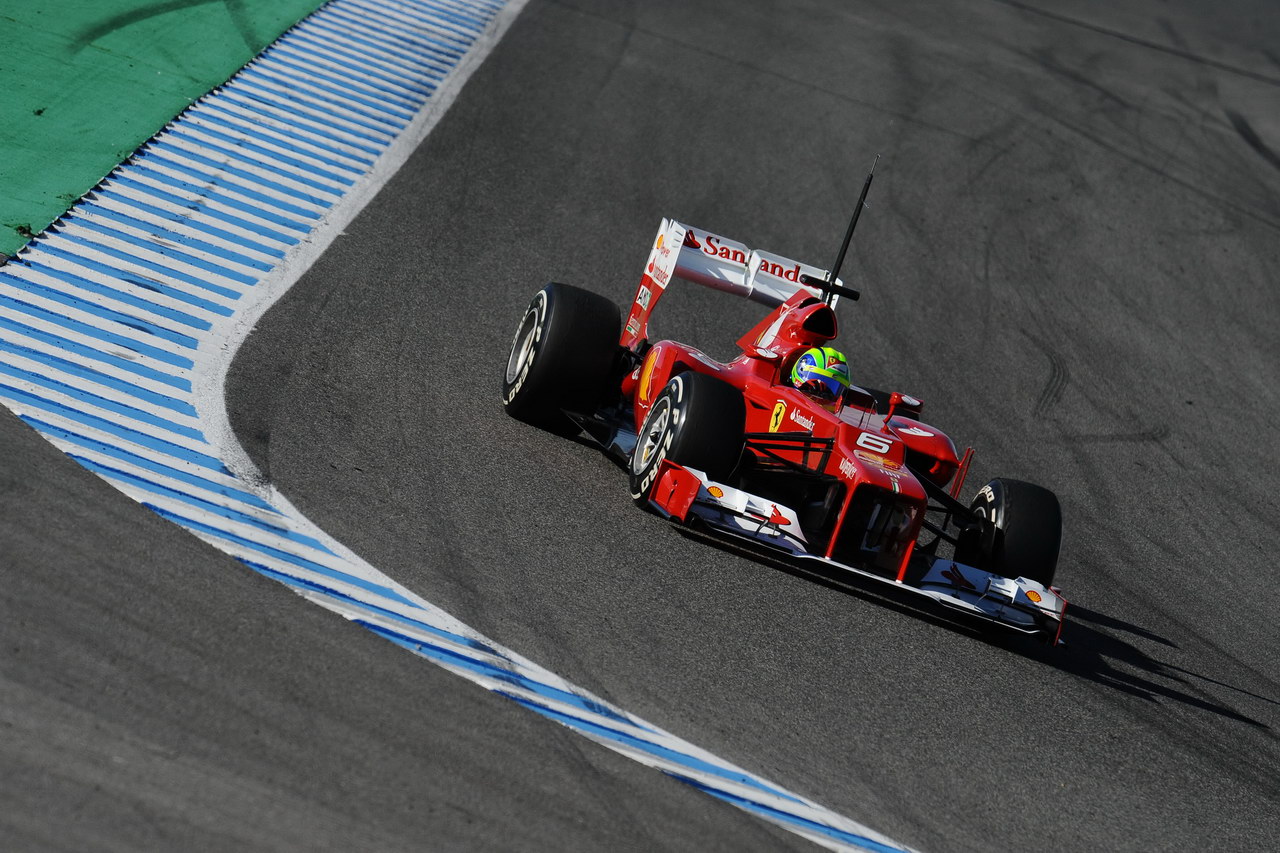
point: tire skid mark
(1056, 385)
(1147, 43)
(1250, 136)
(1151, 435)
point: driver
(822, 373)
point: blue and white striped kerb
(118, 324)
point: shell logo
(646, 378)
(715, 492)
(1033, 595)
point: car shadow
(1090, 648)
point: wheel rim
(522, 346)
(655, 426)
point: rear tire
(1028, 520)
(563, 353)
(696, 420)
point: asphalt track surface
(1070, 256)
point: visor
(818, 385)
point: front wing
(687, 495)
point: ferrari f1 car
(858, 483)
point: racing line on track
(118, 325)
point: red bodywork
(869, 451)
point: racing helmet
(821, 372)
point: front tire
(562, 355)
(1028, 534)
(698, 421)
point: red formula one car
(857, 482)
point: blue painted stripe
(214, 111)
(195, 222)
(413, 39)
(158, 154)
(363, 62)
(257, 106)
(300, 86)
(284, 556)
(387, 47)
(158, 248)
(145, 326)
(205, 192)
(455, 15)
(168, 272)
(272, 90)
(202, 209)
(156, 230)
(377, 110)
(369, 607)
(300, 583)
(362, 84)
(488, 669)
(97, 377)
(143, 462)
(243, 141)
(116, 361)
(355, 19)
(100, 402)
(438, 36)
(443, 23)
(199, 503)
(85, 329)
(778, 815)
(132, 436)
(662, 752)
(45, 249)
(184, 131)
(453, 28)
(383, 612)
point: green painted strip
(83, 83)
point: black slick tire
(696, 420)
(564, 350)
(1028, 535)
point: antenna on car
(829, 286)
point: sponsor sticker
(643, 296)
(646, 378)
(803, 421)
(665, 253)
(848, 469)
(916, 431)
(881, 461)
(1033, 595)
(715, 492)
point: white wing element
(723, 264)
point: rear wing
(692, 254)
